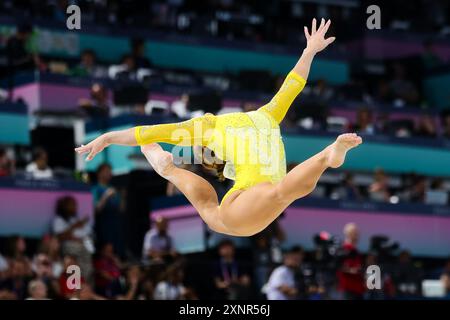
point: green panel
(14, 129)
(437, 90)
(368, 156)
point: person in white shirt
(158, 244)
(39, 169)
(74, 234)
(282, 284)
(172, 287)
(37, 290)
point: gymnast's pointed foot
(160, 160)
(338, 150)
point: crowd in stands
(238, 20)
(165, 274)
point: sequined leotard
(249, 142)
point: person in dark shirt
(138, 54)
(19, 57)
(230, 279)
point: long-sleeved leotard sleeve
(280, 103)
(191, 132)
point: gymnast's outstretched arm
(186, 133)
(296, 79)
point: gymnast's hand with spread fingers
(316, 41)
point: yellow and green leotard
(249, 142)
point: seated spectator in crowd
(20, 57)
(43, 272)
(350, 274)
(322, 90)
(426, 127)
(107, 272)
(39, 169)
(37, 290)
(445, 278)
(51, 247)
(378, 190)
(230, 278)
(7, 165)
(417, 189)
(436, 193)
(171, 287)
(98, 104)
(404, 91)
(15, 284)
(88, 66)
(348, 189)
(283, 284)
(158, 243)
(267, 253)
(17, 248)
(407, 277)
(74, 234)
(132, 288)
(108, 204)
(129, 69)
(364, 122)
(138, 54)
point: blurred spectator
(98, 105)
(18, 48)
(16, 283)
(74, 234)
(39, 169)
(348, 189)
(436, 194)
(262, 259)
(364, 122)
(403, 90)
(43, 272)
(378, 190)
(445, 278)
(7, 165)
(429, 57)
(322, 90)
(132, 287)
(231, 280)
(138, 54)
(407, 277)
(37, 290)
(107, 272)
(88, 66)
(158, 243)
(418, 188)
(282, 284)
(16, 248)
(51, 247)
(426, 127)
(108, 206)
(172, 288)
(350, 274)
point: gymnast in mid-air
(246, 147)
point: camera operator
(350, 273)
